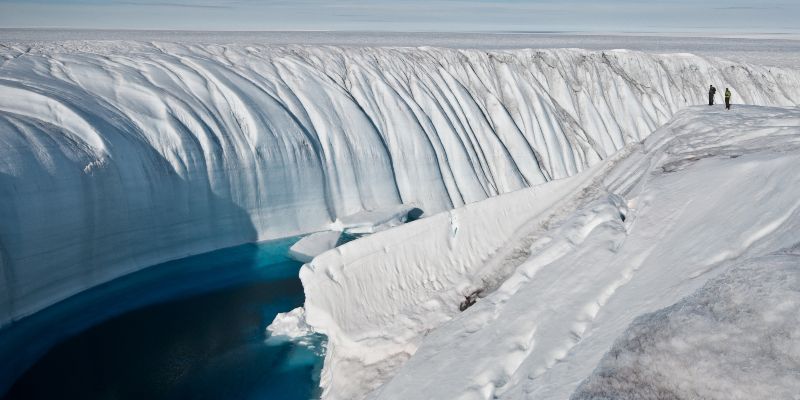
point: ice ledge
(374, 312)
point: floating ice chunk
(290, 325)
(313, 245)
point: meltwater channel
(193, 328)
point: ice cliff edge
(119, 155)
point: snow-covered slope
(736, 338)
(118, 155)
(519, 296)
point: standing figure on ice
(727, 99)
(711, 93)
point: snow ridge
(118, 155)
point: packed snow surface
(116, 155)
(736, 338)
(521, 295)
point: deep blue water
(187, 329)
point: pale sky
(767, 16)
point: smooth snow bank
(118, 155)
(376, 297)
(736, 338)
(313, 245)
(545, 290)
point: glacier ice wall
(118, 155)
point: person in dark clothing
(711, 93)
(727, 99)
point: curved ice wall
(119, 155)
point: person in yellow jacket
(727, 99)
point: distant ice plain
(780, 50)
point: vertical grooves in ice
(115, 158)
